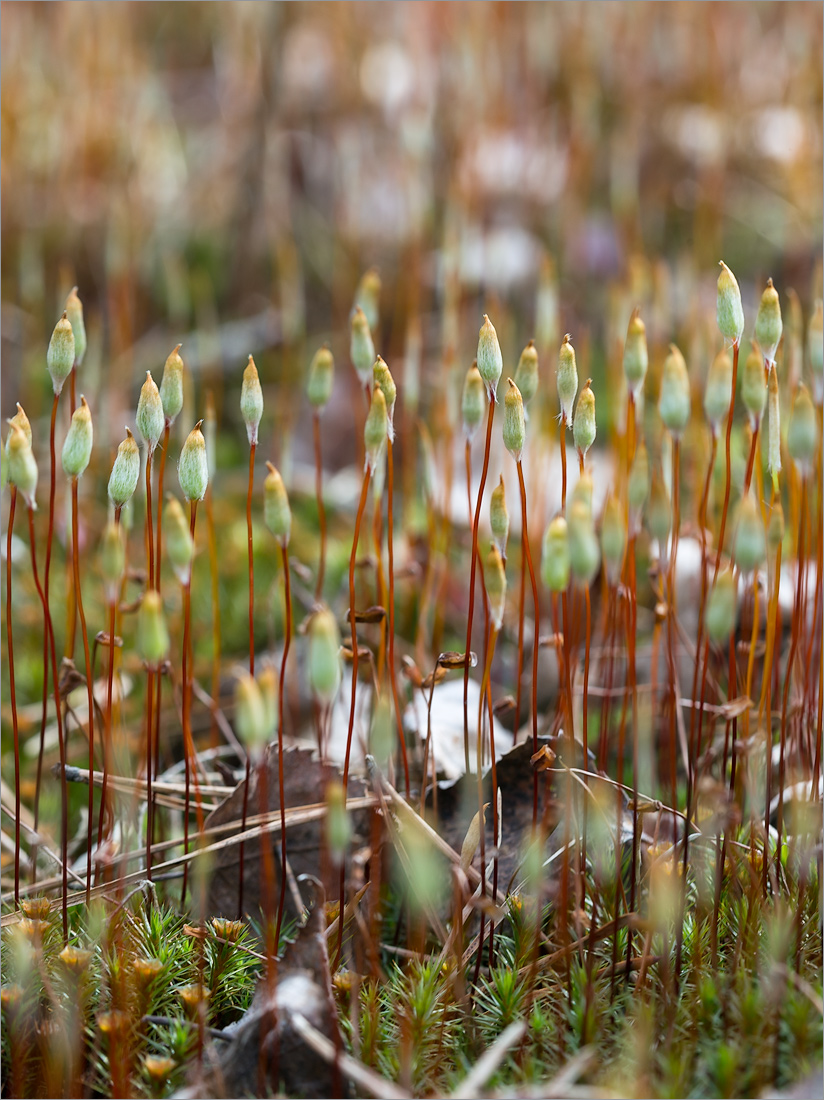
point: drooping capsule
(555, 563)
(499, 517)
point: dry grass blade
(489, 1061)
(358, 1073)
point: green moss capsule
(583, 427)
(659, 509)
(324, 656)
(77, 447)
(718, 390)
(250, 714)
(768, 324)
(638, 487)
(361, 346)
(489, 358)
(171, 386)
(754, 385)
(613, 539)
(251, 401)
(112, 559)
(584, 552)
(555, 564)
(21, 465)
(729, 308)
(750, 549)
(526, 373)
(74, 311)
(268, 684)
(721, 608)
(499, 517)
(473, 401)
(179, 543)
(376, 429)
(152, 635)
(150, 419)
(60, 356)
(368, 297)
(382, 378)
(277, 515)
(514, 424)
(636, 357)
(338, 825)
(321, 380)
(567, 380)
(193, 467)
(495, 582)
(802, 431)
(125, 471)
(674, 401)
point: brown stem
(321, 508)
(471, 610)
(521, 609)
(536, 603)
(287, 595)
(188, 742)
(393, 680)
(13, 697)
(107, 729)
(798, 618)
(252, 448)
(562, 441)
(672, 613)
(49, 639)
(160, 477)
(89, 679)
(214, 574)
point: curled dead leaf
(542, 759)
(472, 840)
(374, 614)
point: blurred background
(222, 173)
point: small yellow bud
(750, 541)
(815, 350)
(613, 539)
(584, 552)
(250, 714)
(338, 825)
(659, 509)
(112, 559)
